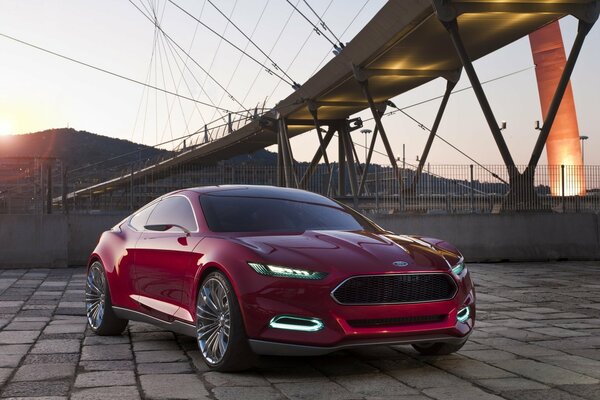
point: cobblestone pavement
(537, 337)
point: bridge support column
(321, 152)
(450, 84)
(521, 185)
(377, 111)
(285, 157)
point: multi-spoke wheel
(219, 326)
(98, 307)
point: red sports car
(265, 270)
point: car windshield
(260, 214)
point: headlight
(459, 268)
(286, 272)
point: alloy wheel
(95, 296)
(213, 326)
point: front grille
(389, 322)
(395, 289)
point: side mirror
(166, 227)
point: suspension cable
(189, 56)
(325, 27)
(269, 70)
(273, 63)
(315, 27)
(85, 64)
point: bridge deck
(404, 44)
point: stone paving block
(18, 337)
(375, 385)
(105, 378)
(43, 372)
(160, 356)
(420, 375)
(237, 379)
(10, 360)
(20, 349)
(48, 346)
(579, 364)
(119, 365)
(156, 345)
(180, 386)
(247, 393)
(590, 392)
(465, 392)
(111, 392)
(505, 384)
(95, 339)
(301, 372)
(316, 390)
(106, 352)
(4, 374)
(558, 332)
(52, 358)
(488, 355)
(25, 326)
(545, 373)
(472, 369)
(549, 394)
(164, 368)
(27, 389)
(340, 365)
(65, 328)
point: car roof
(263, 191)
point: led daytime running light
(463, 315)
(458, 268)
(293, 323)
(286, 272)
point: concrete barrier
(59, 240)
(508, 237)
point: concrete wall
(59, 240)
(50, 240)
(511, 237)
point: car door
(163, 257)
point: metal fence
(39, 186)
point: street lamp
(583, 139)
(366, 132)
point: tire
(98, 307)
(220, 329)
(439, 348)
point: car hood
(351, 251)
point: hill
(74, 148)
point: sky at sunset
(39, 91)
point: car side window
(139, 220)
(174, 210)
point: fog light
(293, 323)
(463, 314)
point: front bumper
(268, 348)
(340, 331)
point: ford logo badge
(399, 263)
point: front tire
(438, 349)
(219, 326)
(98, 306)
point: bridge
(405, 45)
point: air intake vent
(395, 289)
(390, 322)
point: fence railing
(28, 186)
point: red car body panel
(158, 274)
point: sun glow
(6, 127)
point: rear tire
(220, 331)
(438, 349)
(98, 306)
